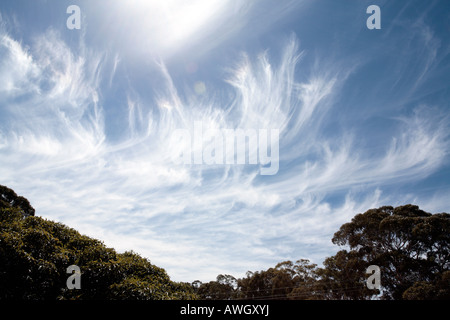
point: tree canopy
(9, 199)
(411, 246)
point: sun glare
(169, 24)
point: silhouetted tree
(224, 288)
(288, 280)
(411, 246)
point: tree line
(409, 245)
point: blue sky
(87, 118)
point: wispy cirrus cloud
(17, 67)
(52, 101)
(199, 220)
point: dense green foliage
(9, 199)
(35, 254)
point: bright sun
(169, 24)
